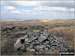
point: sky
(12, 10)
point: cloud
(16, 11)
(50, 8)
(67, 4)
(10, 8)
(56, 9)
(58, 3)
(19, 3)
(26, 11)
(72, 9)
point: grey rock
(41, 50)
(37, 42)
(42, 38)
(32, 50)
(37, 47)
(32, 38)
(46, 49)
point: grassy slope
(68, 32)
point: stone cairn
(42, 40)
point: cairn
(40, 41)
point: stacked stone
(42, 40)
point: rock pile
(41, 40)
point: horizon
(27, 10)
(27, 20)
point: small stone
(32, 50)
(37, 47)
(26, 39)
(46, 49)
(41, 50)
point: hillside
(11, 31)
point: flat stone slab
(42, 38)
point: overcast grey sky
(21, 10)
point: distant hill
(31, 20)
